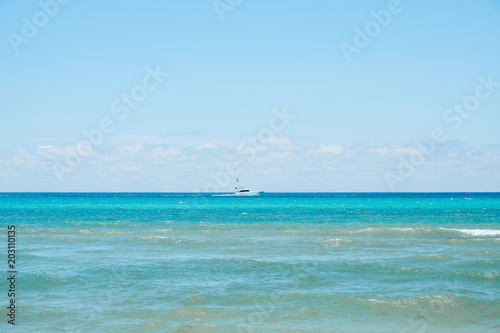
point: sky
(322, 96)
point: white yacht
(241, 190)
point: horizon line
(190, 192)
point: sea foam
(477, 232)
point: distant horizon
(474, 192)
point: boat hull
(249, 194)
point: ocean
(281, 262)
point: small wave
(484, 276)
(431, 257)
(173, 240)
(160, 239)
(394, 229)
(477, 232)
(156, 237)
(420, 301)
(338, 240)
(187, 312)
(470, 232)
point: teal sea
(282, 262)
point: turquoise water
(315, 262)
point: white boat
(241, 190)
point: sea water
(281, 262)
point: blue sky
(359, 121)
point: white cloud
(355, 164)
(146, 139)
(350, 153)
(403, 150)
(204, 146)
(24, 158)
(278, 141)
(333, 150)
(284, 156)
(381, 151)
(51, 151)
(131, 149)
(132, 167)
(160, 151)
